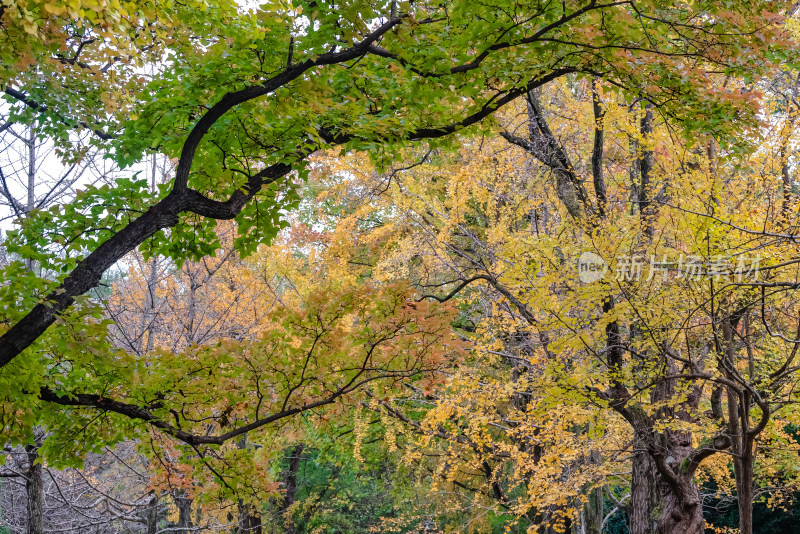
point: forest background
(399, 267)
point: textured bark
(672, 452)
(743, 469)
(742, 435)
(683, 511)
(644, 489)
(151, 515)
(184, 505)
(545, 147)
(590, 516)
(597, 151)
(34, 489)
(664, 498)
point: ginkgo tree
(676, 367)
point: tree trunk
(184, 504)
(744, 491)
(151, 514)
(740, 433)
(291, 487)
(742, 447)
(644, 489)
(34, 490)
(249, 519)
(683, 511)
(646, 208)
(592, 513)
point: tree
(244, 142)
(642, 364)
(108, 495)
(27, 183)
(242, 99)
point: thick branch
(136, 412)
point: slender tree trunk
(592, 519)
(786, 152)
(34, 489)
(633, 173)
(644, 489)
(151, 514)
(739, 427)
(34, 486)
(291, 487)
(646, 208)
(249, 521)
(744, 490)
(597, 150)
(30, 201)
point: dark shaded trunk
(644, 489)
(590, 516)
(633, 173)
(184, 505)
(743, 449)
(545, 147)
(34, 490)
(743, 468)
(646, 208)
(291, 487)
(597, 151)
(249, 519)
(151, 514)
(741, 432)
(682, 511)
(664, 497)
(786, 152)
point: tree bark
(151, 514)
(34, 489)
(743, 469)
(741, 436)
(683, 511)
(590, 520)
(644, 489)
(184, 505)
(597, 150)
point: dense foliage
(400, 266)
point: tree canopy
(357, 195)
